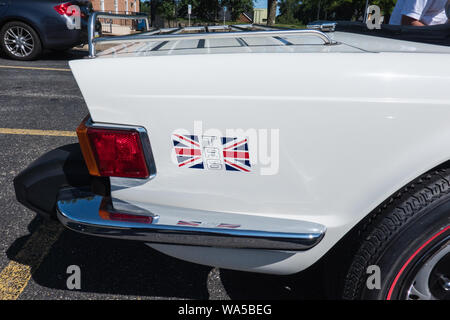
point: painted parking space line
(15, 276)
(35, 68)
(34, 132)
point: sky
(263, 4)
(260, 3)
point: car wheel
(19, 41)
(406, 242)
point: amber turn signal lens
(86, 149)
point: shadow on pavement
(246, 285)
(112, 266)
(52, 55)
(115, 267)
(64, 55)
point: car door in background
(3, 6)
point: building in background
(260, 16)
(116, 6)
(245, 17)
(117, 26)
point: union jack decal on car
(228, 225)
(235, 154)
(188, 151)
(189, 223)
(212, 153)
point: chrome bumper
(84, 212)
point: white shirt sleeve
(415, 8)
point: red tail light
(63, 9)
(113, 153)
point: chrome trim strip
(79, 211)
(324, 26)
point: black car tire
(31, 50)
(402, 238)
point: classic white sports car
(265, 151)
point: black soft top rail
(438, 34)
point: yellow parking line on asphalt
(34, 68)
(15, 276)
(34, 132)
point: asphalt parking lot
(39, 96)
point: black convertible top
(439, 34)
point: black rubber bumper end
(38, 185)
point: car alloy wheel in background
(19, 41)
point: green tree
(310, 10)
(167, 9)
(204, 10)
(183, 7)
(208, 9)
(237, 7)
(288, 11)
(164, 8)
(144, 6)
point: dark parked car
(27, 27)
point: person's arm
(412, 12)
(408, 21)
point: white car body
(348, 125)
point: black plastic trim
(38, 185)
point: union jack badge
(212, 152)
(188, 151)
